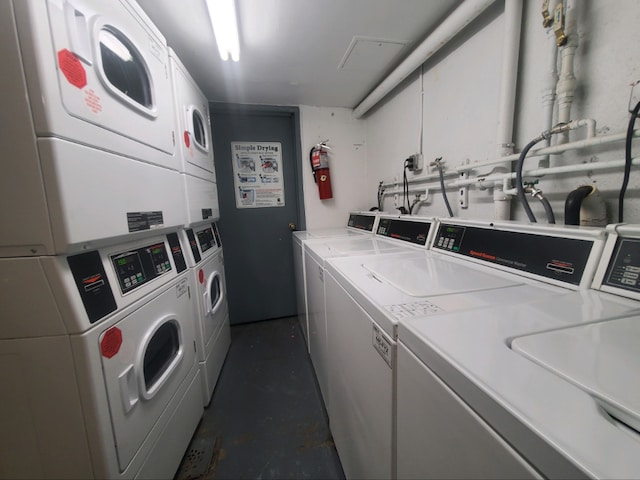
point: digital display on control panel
(405, 230)
(624, 268)
(449, 237)
(206, 239)
(362, 221)
(558, 258)
(137, 267)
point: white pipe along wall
(593, 84)
(443, 34)
(507, 101)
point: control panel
(405, 230)
(137, 267)
(624, 267)
(558, 258)
(206, 239)
(362, 221)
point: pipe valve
(558, 25)
(547, 20)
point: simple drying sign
(257, 174)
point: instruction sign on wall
(257, 174)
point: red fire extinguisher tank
(319, 157)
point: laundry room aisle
(266, 419)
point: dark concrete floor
(266, 418)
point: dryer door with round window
(215, 304)
(104, 78)
(156, 359)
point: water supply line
(438, 165)
(560, 128)
(627, 160)
(537, 193)
(541, 172)
(591, 141)
(462, 16)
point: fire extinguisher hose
(315, 180)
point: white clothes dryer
(366, 297)
(358, 223)
(195, 149)
(87, 127)
(543, 389)
(117, 327)
(213, 333)
(406, 232)
(95, 73)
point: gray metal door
(257, 238)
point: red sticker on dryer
(201, 276)
(72, 68)
(111, 342)
(187, 139)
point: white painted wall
(347, 161)
(460, 88)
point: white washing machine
(88, 126)
(358, 223)
(547, 385)
(213, 333)
(193, 127)
(405, 231)
(98, 363)
(366, 297)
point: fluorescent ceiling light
(225, 28)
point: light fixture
(225, 28)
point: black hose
(519, 187)
(573, 203)
(547, 209)
(627, 161)
(444, 190)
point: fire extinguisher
(319, 157)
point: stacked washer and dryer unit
(201, 238)
(98, 336)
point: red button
(72, 68)
(111, 342)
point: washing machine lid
(321, 249)
(328, 233)
(427, 275)
(416, 283)
(472, 354)
(600, 358)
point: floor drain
(197, 459)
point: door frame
(292, 111)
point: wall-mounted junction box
(416, 162)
